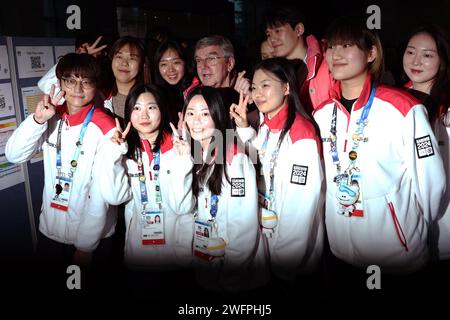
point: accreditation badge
(152, 227)
(202, 234)
(61, 195)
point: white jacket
(400, 190)
(442, 133)
(237, 222)
(88, 218)
(120, 175)
(297, 242)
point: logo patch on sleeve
(238, 187)
(424, 147)
(299, 174)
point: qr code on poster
(35, 62)
(2, 103)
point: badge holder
(152, 227)
(61, 196)
(207, 245)
(267, 218)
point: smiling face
(199, 121)
(268, 92)
(284, 39)
(213, 68)
(79, 92)
(171, 67)
(421, 61)
(125, 64)
(146, 117)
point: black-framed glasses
(72, 82)
(210, 60)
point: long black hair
(133, 139)
(284, 70)
(222, 123)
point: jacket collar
(277, 122)
(314, 55)
(336, 93)
(166, 145)
(76, 118)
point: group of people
(251, 180)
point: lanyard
(273, 160)
(79, 143)
(358, 136)
(214, 202)
(142, 184)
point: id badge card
(202, 234)
(359, 210)
(152, 227)
(61, 194)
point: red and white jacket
(297, 242)
(120, 181)
(319, 81)
(402, 180)
(88, 218)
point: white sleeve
(180, 197)
(242, 219)
(93, 220)
(246, 134)
(111, 173)
(424, 162)
(300, 228)
(49, 79)
(25, 141)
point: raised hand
(239, 112)
(120, 135)
(181, 145)
(242, 84)
(92, 49)
(46, 108)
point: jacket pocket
(398, 227)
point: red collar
(408, 85)
(277, 122)
(76, 118)
(336, 93)
(166, 145)
(314, 54)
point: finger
(52, 91)
(127, 129)
(118, 127)
(247, 97)
(241, 74)
(184, 132)
(241, 98)
(180, 116)
(45, 101)
(175, 132)
(99, 49)
(58, 97)
(96, 42)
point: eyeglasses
(210, 61)
(85, 84)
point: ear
(286, 91)
(230, 63)
(299, 29)
(373, 53)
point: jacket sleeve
(180, 197)
(93, 220)
(111, 173)
(49, 79)
(242, 220)
(424, 162)
(299, 240)
(25, 141)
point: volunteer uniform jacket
(88, 218)
(402, 180)
(318, 82)
(121, 176)
(237, 223)
(297, 242)
(442, 132)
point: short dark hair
(279, 16)
(80, 65)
